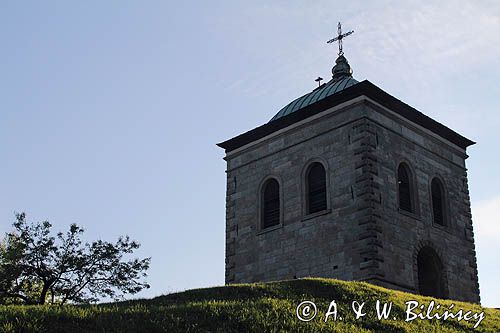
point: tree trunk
(43, 294)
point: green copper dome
(341, 79)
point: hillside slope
(262, 307)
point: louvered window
(271, 204)
(316, 188)
(437, 201)
(404, 184)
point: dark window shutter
(405, 200)
(271, 203)
(316, 185)
(437, 201)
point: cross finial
(319, 79)
(339, 38)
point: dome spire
(341, 68)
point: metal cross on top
(339, 38)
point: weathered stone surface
(362, 235)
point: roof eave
(362, 88)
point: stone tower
(349, 182)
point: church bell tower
(349, 182)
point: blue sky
(110, 110)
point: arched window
(316, 188)
(405, 187)
(270, 203)
(437, 193)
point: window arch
(438, 204)
(405, 189)
(430, 273)
(316, 199)
(270, 203)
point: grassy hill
(261, 307)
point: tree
(36, 267)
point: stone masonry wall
(324, 244)
(404, 234)
(362, 235)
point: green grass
(260, 307)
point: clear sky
(110, 110)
